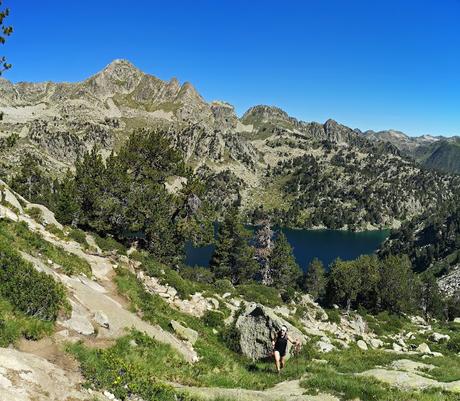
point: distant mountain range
(304, 174)
(437, 152)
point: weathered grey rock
(101, 319)
(376, 343)
(438, 337)
(47, 215)
(424, 348)
(325, 347)
(457, 320)
(9, 197)
(397, 347)
(257, 325)
(359, 325)
(362, 345)
(185, 333)
(80, 324)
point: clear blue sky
(368, 64)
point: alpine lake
(326, 245)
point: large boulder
(257, 325)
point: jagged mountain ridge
(266, 158)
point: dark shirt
(281, 344)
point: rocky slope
(304, 174)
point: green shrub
(231, 337)
(35, 213)
(213, 319)
(20, 235)
(197, 274)
(223, 286)
(109, 244)
(14, 324)
(333, 315)
(454, 344)
(54, 229)
(78, 236)
(254, 292)
(34, 293)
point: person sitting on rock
(280, 347)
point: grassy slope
(150, 362)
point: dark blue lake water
(326, 245)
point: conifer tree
(285, 270)
(315, 279)
(344, 283)
(233, 257)
(66, 205)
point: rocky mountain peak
(264, 112)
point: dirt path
(284, 391)
(28, 377)
(88, 297)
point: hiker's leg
(277, 360)
(283, 361)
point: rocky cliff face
(302, 172)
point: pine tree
(285, 270)
(432, 302)
(315, 279)
(233, 257)
(220, 262)
(66, 204)
(344, 283)
(398, 287)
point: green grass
(218, 366)
(323, 378)
(23, 239)
(263, 294)
(78, 236)
(35, 213)
(109, 244)
(15, 324)
(55, 230)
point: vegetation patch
(20, 235)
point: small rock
(424, 348)
(320, 361)
(324, 347)
(133, 343)
(50, 262)
(184, 332)
(172, 292)
(101, 319)
(214, 302)
(397, 347)
(109, 395)
(437, 354)
(214, 331)
(362, 345)
(80, 324)
(438, 337)
(226, 295)
(457, 320)
(376, 343)
(325, 339)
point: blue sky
(368, 64)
